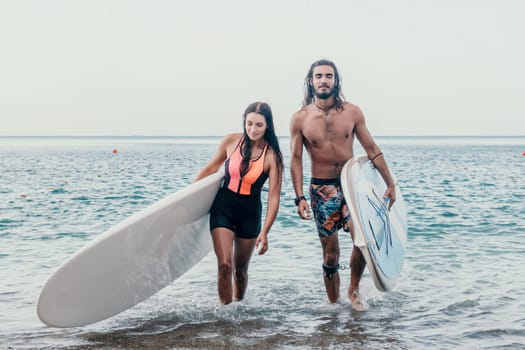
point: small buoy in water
(523, 153)
(115, 150)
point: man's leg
(357, 267)
(330, 246)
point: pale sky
(127, 67)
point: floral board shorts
(329, 206)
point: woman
(235, 218)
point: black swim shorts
(239, 213)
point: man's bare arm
(296, 153)
(296, 164)
(374, 153)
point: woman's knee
(240, 274)
(225, 268)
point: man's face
(323, 81)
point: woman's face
(255, 126)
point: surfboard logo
(384, 231)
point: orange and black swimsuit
(237, 205)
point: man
(326, 126)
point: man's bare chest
(320, 130)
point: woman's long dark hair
(263, 109)
(309, 89)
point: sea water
(462, 285)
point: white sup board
(380, 234)
(132, 260)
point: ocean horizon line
(220, 136)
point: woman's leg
(242, 254)
(223, 245)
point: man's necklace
(324, 110)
